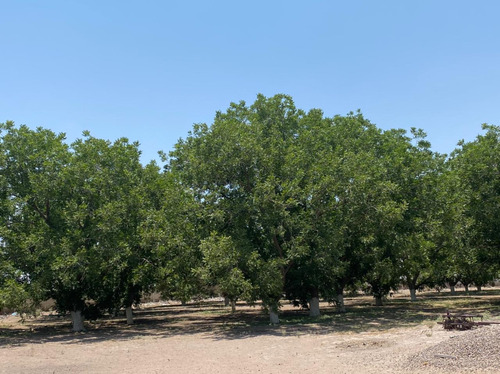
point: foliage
(239, 173)
(477, 166)
(70, 225)
(221, 268)
(268, 200)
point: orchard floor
(207, 338)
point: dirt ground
(170, 338)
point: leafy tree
(349, 201)
(70, 230)
(221, 268)
(33, 162)
(238, 171)
(171, 232)
(417, 170)
(475, 165)
(111, 186)
(295, 192)
(14, 290)
(12, 293)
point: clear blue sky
(148, 70)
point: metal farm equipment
(463, 321)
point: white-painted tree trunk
(314, 307)
(413, 294)
(340, 303)
(273, 317)
(452, 289)
(130, 315)
(77, 319)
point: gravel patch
(473, 351)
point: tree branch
(277, 246)
(40, 213)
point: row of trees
(267, 201)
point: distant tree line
(267, 203)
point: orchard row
(267, 201)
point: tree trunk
(479, 288)
(340, 303)
(273, 317)
(466, 286)
(233, 306)
(413, 294)
(378, 301)
(226, 301)
(452, 289)
(77, 318)
(130, 315)
(314, 307)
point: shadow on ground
(216, 322)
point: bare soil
(401, 337)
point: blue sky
(148, 70)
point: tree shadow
(212, 321)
